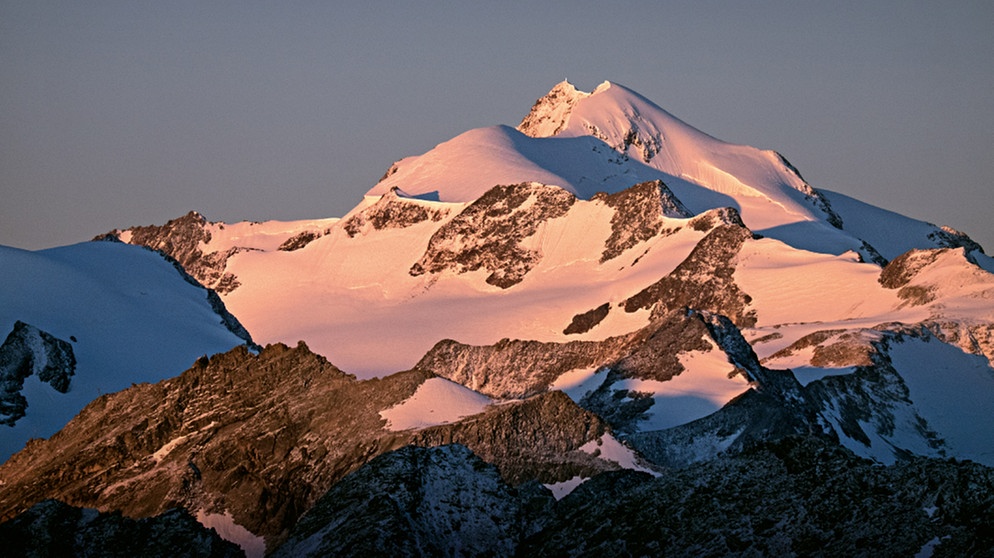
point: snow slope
(415, 262)
(354, 300)
(436, 401)
(133, 316)
(610, 139)
(349, 291)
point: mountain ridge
(603, 288)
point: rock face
(181, 239)
(948, 237)
(903, 269)
(26, 351)
(51, 528)
(536, 439)
(261, 437)
(584, 322)
(442, 501)
(392, 212)
(798, 496)
(703, 281)
(514, 368)
(549, 115)
(795, 497)
(488, 234)
(639, 213)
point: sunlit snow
(436, 401)
(701, 389)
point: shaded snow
(953, 391)
(253, 545)
(700, 390)
(561, 489)
(134, 318)
(807, 374)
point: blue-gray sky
(115, 114)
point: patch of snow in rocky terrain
(436, 401)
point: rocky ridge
(265, 451)
(182, 239)
(394, 212)
(639, 214)
(704, 280)
(488, 233)
(442, 501)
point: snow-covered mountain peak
(610, 140)
(613, 113)
(551, 113)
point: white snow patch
(168, 447)
(436, 401)
(701, 389)
(561, 489)
(172, 444)
(253, 545)
(608, 448)
(579, 382)
(794, 286)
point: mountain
(538, 334)
(92, 319)
(258, 438)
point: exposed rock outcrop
(261, 437)
(488, 234)
(181, 239)
(639, 214)
(28, 350)
(948, 237)
(703, 281)
(797, 496)
(550, 113)
(585, 321)
(392, 212)
(415, 501)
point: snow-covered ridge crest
(607, 141)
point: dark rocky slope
(51, 528)
(261, 437)
(799, 496)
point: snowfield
(129, 315)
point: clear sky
(115, 114)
